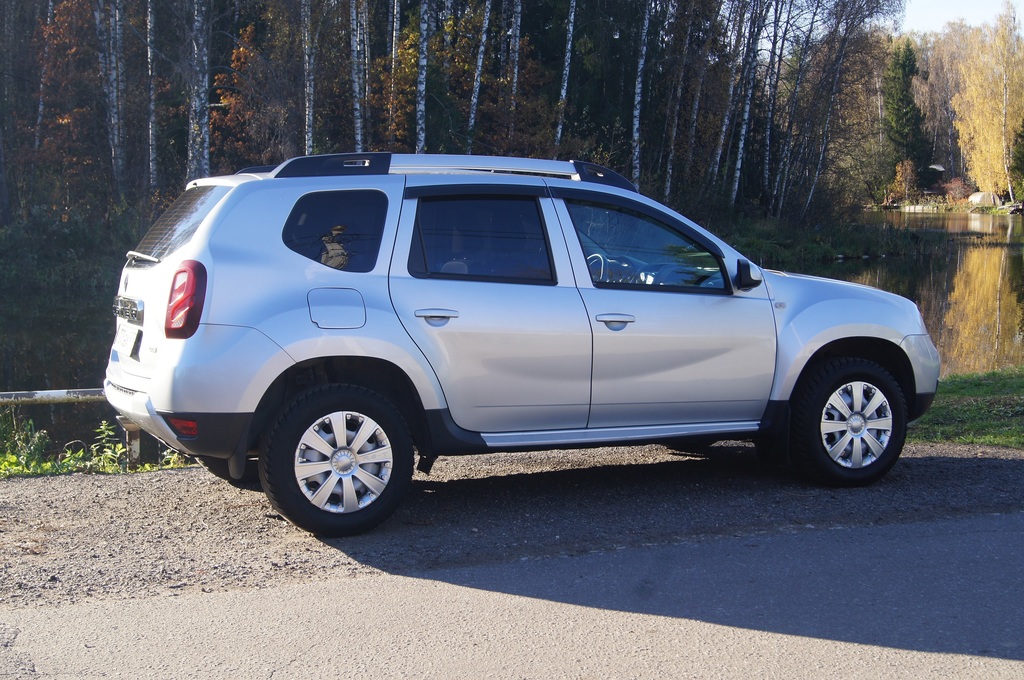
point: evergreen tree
(902, 120)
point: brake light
(184, 427)
(185, 305)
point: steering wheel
(596, 263)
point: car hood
(798, 292)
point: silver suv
(334, 317)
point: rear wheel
(338, 462)
(849, 422)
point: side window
(497, 238)
(627, 249)
(340, 229)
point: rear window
(179, 222)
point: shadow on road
(927, 560)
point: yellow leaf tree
(991, 100)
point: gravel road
(79, 537)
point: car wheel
(849, 422)
(338, 461)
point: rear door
(482, 283)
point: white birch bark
(107, 15)
(563, 92)
(638, 90)
(41, 107)
(198, 162)
(308, 63)
(757, 28)
(730, 98)
(475, 98)
(355, 64)
(517, 22)
(151, 130)
(421, 79)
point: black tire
(346, 491)
(865, 433)
(218, 467)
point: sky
(932, 15)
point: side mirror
(747, 277)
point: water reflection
(973, 301)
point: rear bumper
(218, 435)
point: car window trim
(642, 208)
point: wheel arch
(377, 375)
(886, 354)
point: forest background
(783, 111)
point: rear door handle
(436, 317)
(615, 322)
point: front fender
(812, 313)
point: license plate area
(127, 340)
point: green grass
(25, 451)
(976, 409)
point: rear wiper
(136, 255)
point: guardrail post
(132, 440)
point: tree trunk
(475, 99)
(5, 197)
(730, 96)
(308, 63)
(516, 36)
(421, 79)
(198, 163)
(757, 23)
(356, 65)
(564, 91)
(41, 108)
(151, 131)
(638, 91)
(108, 16)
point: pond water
(972, 300)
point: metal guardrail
(51, 397)
(132, 433)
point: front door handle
(615, 322)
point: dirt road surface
(109, 544)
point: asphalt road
(567, 565)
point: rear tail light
(185, 306)
(184, 427)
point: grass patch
(976, 409)
(25, 451)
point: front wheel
(849, 422)
(338, 462)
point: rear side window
(179, 222)
(339, 229)
(497, 238)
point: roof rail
(382, 163)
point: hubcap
(856, 424)
(343, 462)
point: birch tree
(108, 15)
(991, 102)
(638, 90)
(198, 86)
(478, 76)
(563, 92)
(357, 72)
(308, 65)
(421, 78)
(151, 129)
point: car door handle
(615, 322)
(436, 313)
(436, 317)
